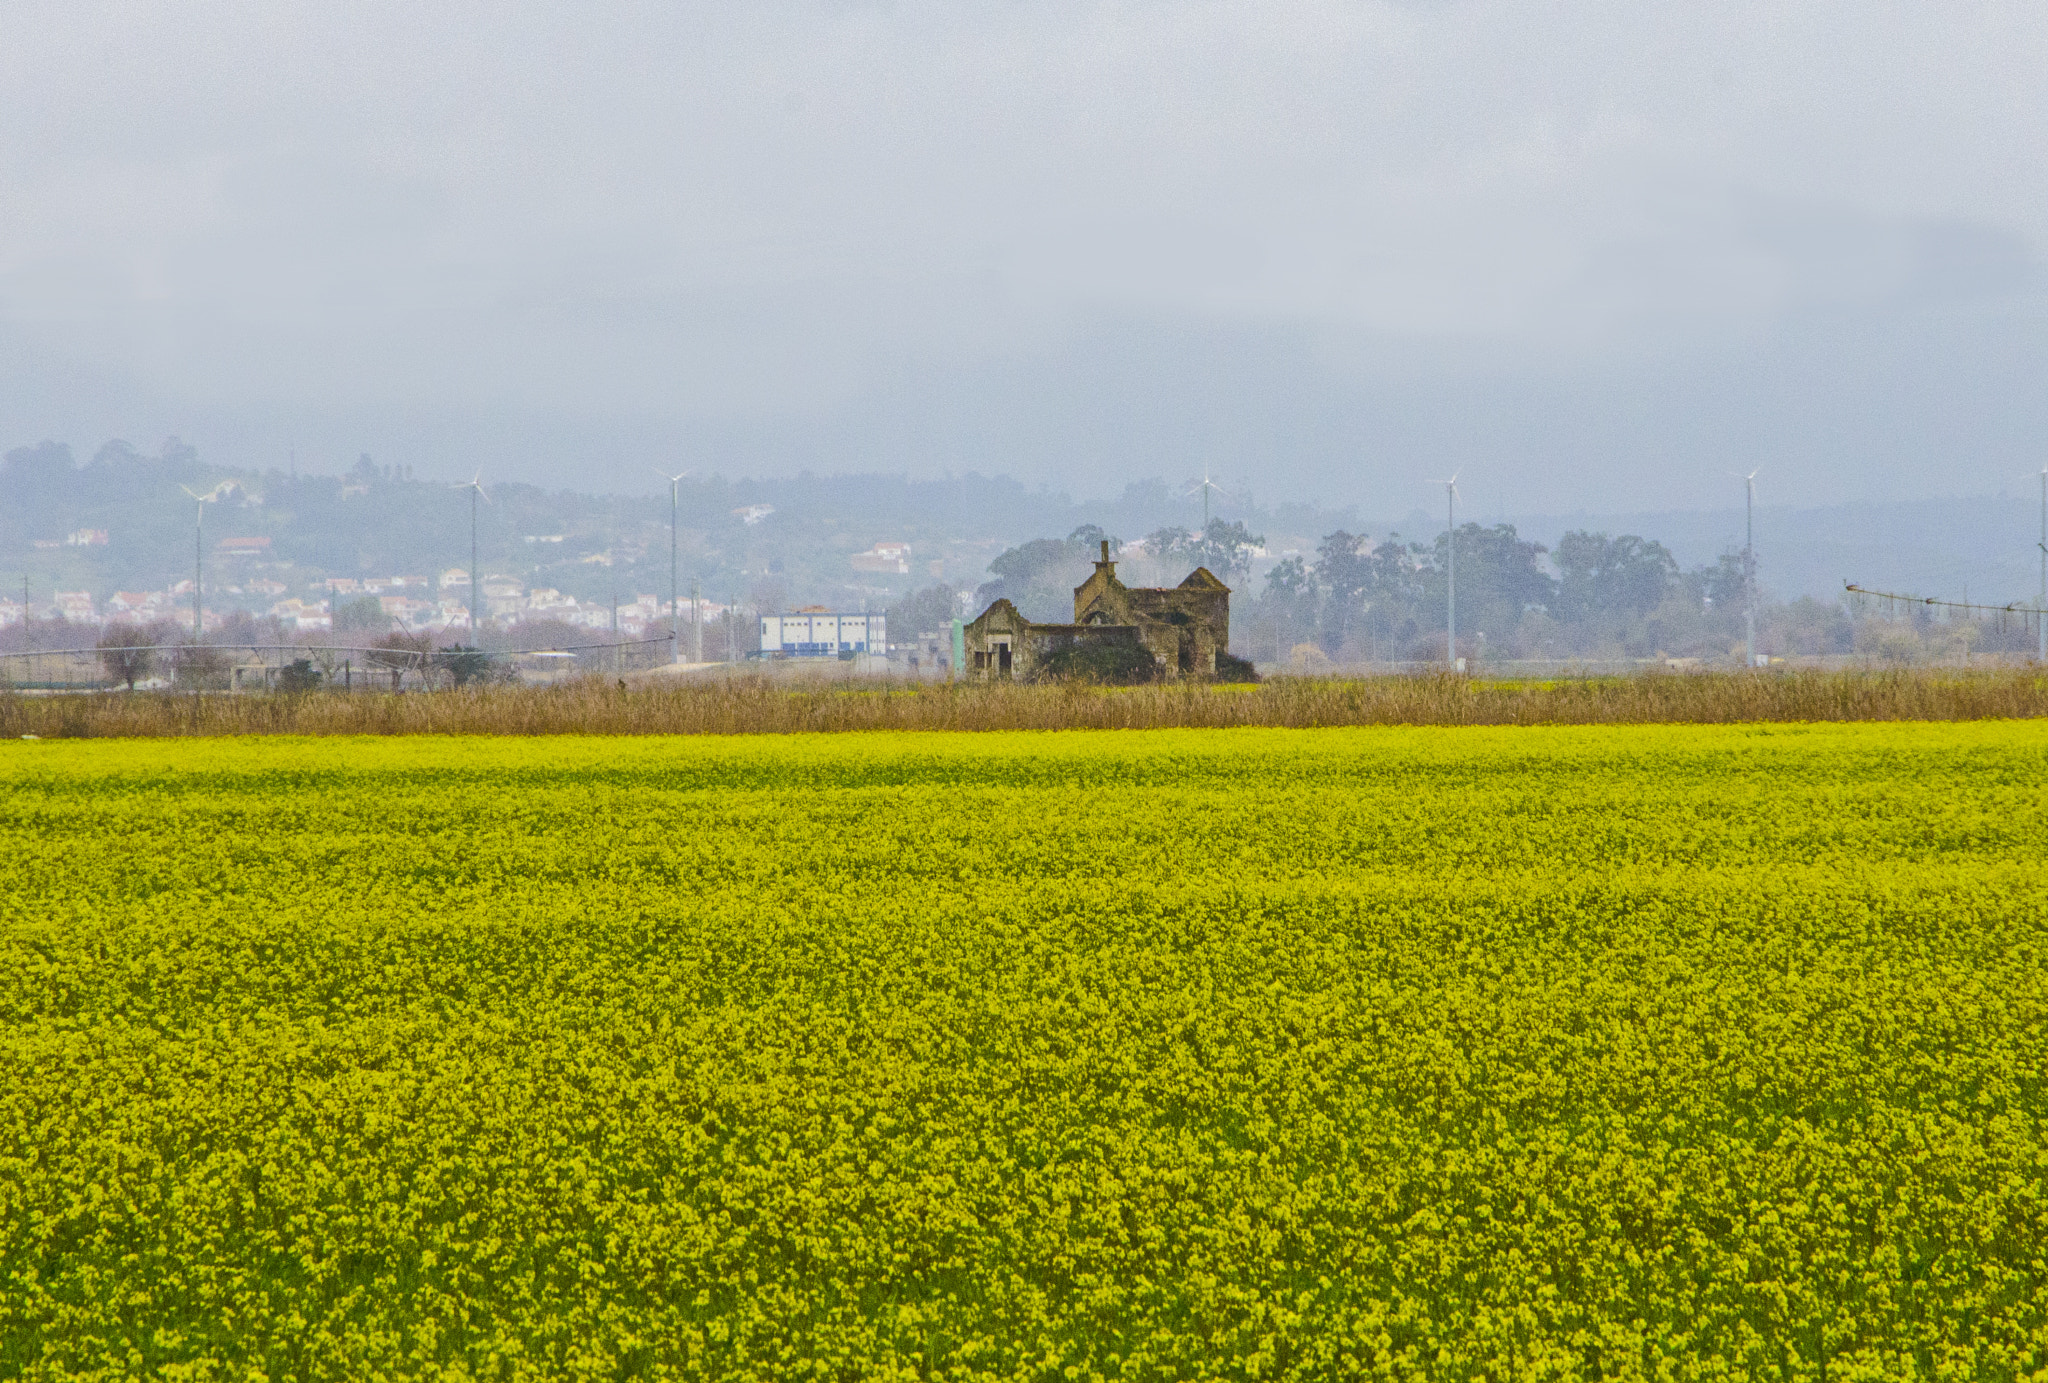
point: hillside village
(289, 556)
(415, 604)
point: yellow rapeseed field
(1629, 1052)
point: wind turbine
(476, 492)
(675, 602)
(1451, 562)
(1205, 485)
(198, 551)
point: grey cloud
(1591, 247)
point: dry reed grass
(754, 705)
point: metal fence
(304, 667)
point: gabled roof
(1202, 579)
(1001, 603)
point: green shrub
(299, 675)
(1103, 664)
(464, 664)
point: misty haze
(1599, 264)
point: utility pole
(1749, 566)
(675, 585)
(1451, 570)
(2040, 605)
(696, 624)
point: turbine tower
(675, 593)
(198, 555)
(1205, 485)
(476, 584)
(1451, 566)
(1749, 566)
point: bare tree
(125, 654)
(200, 666)
(400, 653)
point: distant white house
(504, 595)
(405, 608)
(137, 604)
(889, 558)
(303, 615)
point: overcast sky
(1594, 255)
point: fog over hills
(796, 539)
(1982, 549)
(1593, 259)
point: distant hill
(121, 521)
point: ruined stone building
(1182, 627)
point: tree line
(1357, 599)
(1596, 594)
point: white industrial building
(818, 635)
